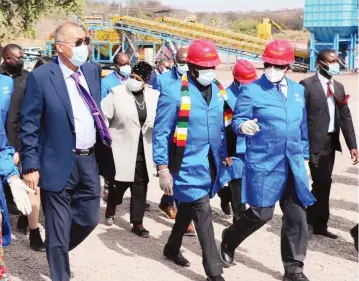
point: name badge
(5, 90)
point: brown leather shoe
(190, 231)
(169, 211)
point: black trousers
(201, 213)
(236, 198)
(138, 194)
(294, 234)
(321, 168)
(71, 215)
(232, 193)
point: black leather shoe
(225, 254)
(140, 231)
(177, 258)
(226, 208)
(354, 234)
(215, 278)
(36, 242)
(22, 224)
(295, 277)
(325, 232)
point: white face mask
(333, 68)
(133, 85)
(274, 75)
(206, 76)
(124, 70)
(79, 55)
(182, 68)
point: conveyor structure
(131, 35)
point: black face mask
(16, 67)
(238, 84)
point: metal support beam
(312, 53)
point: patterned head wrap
(142, 69)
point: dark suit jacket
(47, 129)
(99, 67)
(318, 115)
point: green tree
(246, 26)
(215, 21)
(19, 16)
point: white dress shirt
(84, 122)
(331, 102)
(283, 86)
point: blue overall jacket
(226, 174)
(281, 143)
(205, 132)
(7, 167)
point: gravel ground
(115, 254)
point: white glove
(20, 192)
(249, 127)
(166, 181)
(307, 168)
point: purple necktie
(100, 123)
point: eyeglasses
(86, 41)
(279, 67)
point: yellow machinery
(265, 29)
(264, 33)
(110, 37)
(183, 30)
(213, 31)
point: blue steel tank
(333, 25)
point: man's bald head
(181, 56)
(66, 31)
(121, 59)
(163, 65)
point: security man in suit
(60, 125)
(328, 113)
(270, 112)
(187, 143)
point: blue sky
(234, 5)
(227, 5)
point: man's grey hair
(61, 29)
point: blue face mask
(333, 68)
(79, 55)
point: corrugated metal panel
(326, 34)
(325, 13)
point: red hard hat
(279, 52)
(244, 72)
(203, 53)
